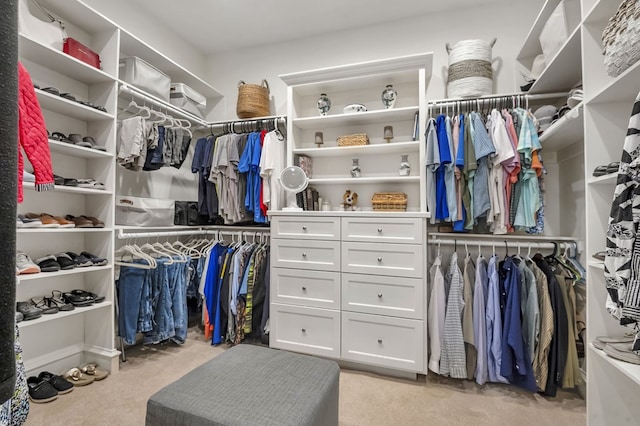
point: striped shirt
(453, 361)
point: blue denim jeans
(160, 299)
(179, 301)
(130, 285)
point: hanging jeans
(130, 289)
(179, 301)
(160, 296)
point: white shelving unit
(607, 107)
(362, 83)
(60, 341)
(351, 285)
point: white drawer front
(402, 260)
(384, 341)
(317, 255)
(307, 330)
(396, 230)
(373, 294)
(311, 228)
(308, 288)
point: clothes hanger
(151, 264)
(162, 254)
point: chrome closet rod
(507, 96)
(221, 127)
(523, 245)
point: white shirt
(271, 165)
(437, 310)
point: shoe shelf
(357, 118)
(77, 151)
(71, 189)
(618, 89)
(608, 179)
(65, 106)
(563, 71)
(364, 180)
(42, 229)
(346, 151)
(63, 314)
(632, 371)
(564, 132)
(61, 62)
(74, 271)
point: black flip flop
(79, 300)
(68, 96)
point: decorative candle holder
(319, 139)
(388, 133)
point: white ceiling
(217, 25)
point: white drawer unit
(308, 330)
(319, 289)
(383, 295)
(383, 341)
(395, 230)
(401, 260)
(303, 254)
(316, 228)
(350, 286)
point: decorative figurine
(349, 200)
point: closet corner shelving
(59, 341)
(607, 108)
(563, 70)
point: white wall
(139, 23)
(508, 21)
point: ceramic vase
(389, 96)
(405, 167)
(324, 104)
(355, 168)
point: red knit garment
(32, 135)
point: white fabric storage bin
(556, 31)
(136, 211)
(186, 98)
(142, 75)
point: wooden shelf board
(375, 149)
(70, 108)
(65, 314)
(77, 151)
(358, 118)
(567, 130)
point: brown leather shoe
(47, 220)
(80, 221)
(97, 223)
(64, 223)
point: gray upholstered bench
(251, 385)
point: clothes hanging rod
(219, 127)
(130, 90)
(510, 96)
(196, 231)
(508, 237)
(524, 245)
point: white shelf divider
(74, 271)
(64, 314)
(364, 180)
(567, 130)
(77, 151)
(375, 149)
(67, 107)
(632, 371)
(69, 189)
(355, 119)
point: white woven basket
(470, 73)
(620, 39)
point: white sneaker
(25, 265)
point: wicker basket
(253, 100)
(620, 38)
(353, 140)
(389, 201)
(470, 73)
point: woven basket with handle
(253, 100)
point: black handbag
(186, 214)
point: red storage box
(73, 47)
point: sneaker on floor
(25, 265)
(41, 390)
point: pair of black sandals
(70, 96)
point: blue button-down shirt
(494, 324)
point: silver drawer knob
(379, 295)
(304, 228)
(380, 341)
(379, 259)
(304, 254)
(380, 230)
(304, 289)
(304, 330)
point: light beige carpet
(365, 399)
